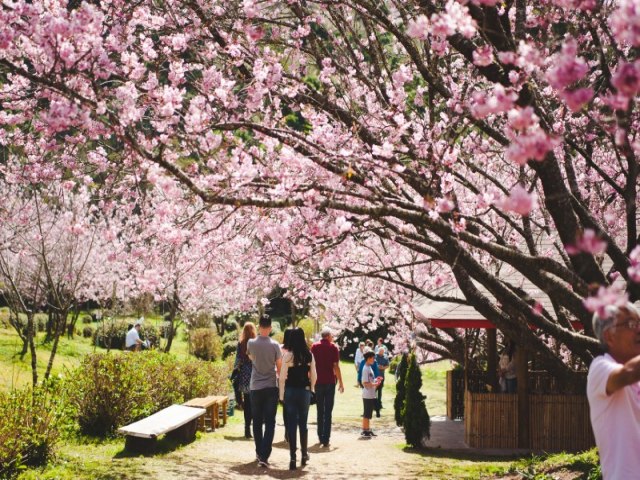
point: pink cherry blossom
(588, 242)
(418, 27)
(519, 201)
(626, 78)
(610, 296)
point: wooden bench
(213, 405)
(177, 421)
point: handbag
(313, 400)
(234, 374)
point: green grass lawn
(16, 372)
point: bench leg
(186, 433)
(214, 417)
(140, 445)
(225, 409)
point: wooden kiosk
(541, 416)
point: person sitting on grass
(369, 385)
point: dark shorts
(369, 406)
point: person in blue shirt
(383, 363)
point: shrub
(229, 349)
(307, 324)
(87, 332)
(108, 391)
(398, 402)
(231, 337)
(205, 344)
(87, 319)
(41, 320)
(164, 329)
(230, 325)
(393, 364)
(29, 428)
(417, 423)
(111, 334)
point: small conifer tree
(417, 423)
(398, 402)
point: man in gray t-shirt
(266, 357)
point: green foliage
(307, 324)
(29, 428)
(229, 343)
(107, 391)
(205, 344)
(87, 332)
(40, 320)
(393, 364)
(417, 423)
(112, 333)
(586, 465)
(398, 402)
(230, 325)
(87, 319)
(295, 120)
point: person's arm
(278, 365)
(338, 373)
(282, 376)
(624, 375)
(236, 363)
(313, 374)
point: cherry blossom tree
(479, 136)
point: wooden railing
(557, 422)
(540, 383)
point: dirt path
(227, 454)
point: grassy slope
(16, 372)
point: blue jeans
(325, 395)
(296, 402)
(264, 404)
(512, 385)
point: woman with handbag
(242, 371)
(297, 381)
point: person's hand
(341, 387)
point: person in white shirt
(359, 356)
(613, 390)
(133, 341)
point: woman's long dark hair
(297, 345)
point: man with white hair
(613, 390)
(132, 341)
(327, 357)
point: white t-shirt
(368, 377)
(616, 422)
(132, 338)
(359, 357)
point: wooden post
(466, 362)
(523, 397)
(492, 359)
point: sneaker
(365, 433)
(371, 434)
(263, 463)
